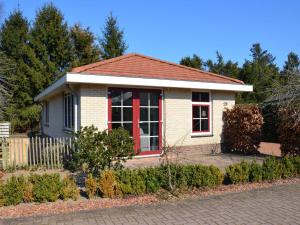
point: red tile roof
(136, 65)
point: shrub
(217, 176)
(91, 186)
(1, 193)
(242, 128)
(271, 169)
(289, 132)
(101, 150)
(296, 162)
(256, 172)
(46, 187)
(69, 189)
(28, 192)
(124, 180)
(108, 184)
(13, 190)
(288, 168)
(238, 173)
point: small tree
(242, 128)
(98, 150)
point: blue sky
(171, 29)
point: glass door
(139, 112)
(149, 121)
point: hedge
(119, 183)
(242, 128)
(37, 188)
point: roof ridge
(190, 68)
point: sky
(172, 29)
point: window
(122, 110)
(46, 113)
(201, 112)
(69, 111)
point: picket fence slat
(47, 152)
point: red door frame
(136, 117)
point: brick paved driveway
(275, 205)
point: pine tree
(261, 72)
(85, 50)
(194, 62)
(221, 67)
(6, 68)
(292, 65)
(51, 41)
(27, 79)
(112, 43)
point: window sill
(202, 134)
(68, 130)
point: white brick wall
(178, 117)
(93, 106)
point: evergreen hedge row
(119, 183)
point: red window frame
(199, 104)
(208, 118)
(136, 117)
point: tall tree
(27, 79)
(51, 41)
(292, 65)
(85, 50)
(194, 62)
(112, 43)
(262, 72)
(228, 68)
(6, 68)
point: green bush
(69, 190)
(272, 169)
(13, 190)
(288, 168)
(237, 173)
(95, 151)
(296, 162)
(46, 187)
(256, 172)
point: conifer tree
(51, 41)
(112, 43)
(261, 71)
(292, 65)
(84, 47)
(194, 62)
(229, 68)
(27, 79)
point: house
(155, 100)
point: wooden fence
(45, 152)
